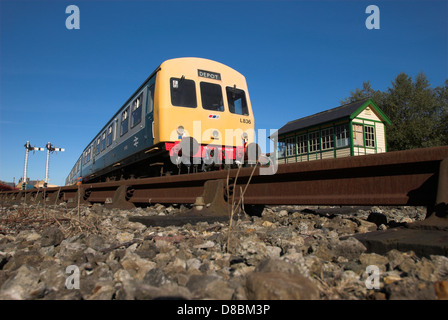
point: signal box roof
(349, 111)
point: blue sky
(299, 58)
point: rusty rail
(395, 178)
(409, 177)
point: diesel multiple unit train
(189, 115)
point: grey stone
(147, 250)
(409, 289)
(32, 258)
(72, 252)
(95, 242)
(350, 248)
(276, 265)
(280, 286)
(54, 277)
(156, 277)
(23, 285)
(209, 286)
(52, 236)
(368, 259)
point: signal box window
(358, 139)
(137, 111)
(281, 149)
(342, 136)
(290, 147)
(302, 144)
(125, 121)
(211, 95)
(327, 139)
(237, 101)
(314, 140)
(183, 93)
(370, 136)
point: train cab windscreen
(236, 99)
(211, 95)
(183, 93)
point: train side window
(98, 142)
(211, 95)
(125, 121)
(103, 141)
(151, 99)
(183, 93)
(137, 111)
(236, 99)
(110, 134)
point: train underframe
(169, 158)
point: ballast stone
(275, 279)
(280, 286)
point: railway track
(413, 177)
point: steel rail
(408, 177)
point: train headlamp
(245, 136)
(180, 130)
(215, 134)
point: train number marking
(246, 121)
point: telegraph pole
(50, 148)
(28, 148)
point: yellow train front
(202, 113)
(189, 115)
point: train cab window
(151, 99)
(211, 95)
(183, 93)
(110, 135)
(125, 121)
(137, 111)
(237, 101)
